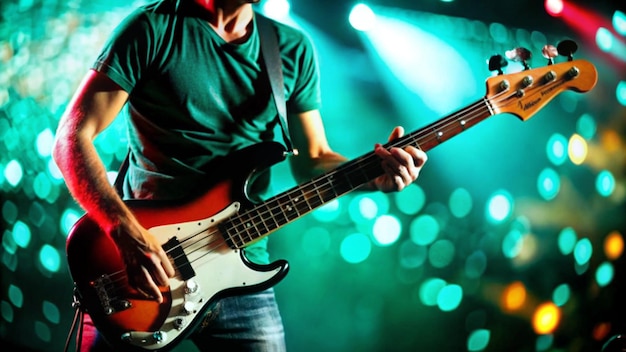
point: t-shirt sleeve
(306, 92)
(127, 54)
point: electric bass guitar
(206, 236)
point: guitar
(205, 237)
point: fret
(340, 185)
(303, 202)
(318, 198)
(278, 214)
(299, 203)
(358, 176)
(312, 195)
(290, 209)
(233, 234)
(331, 183)
(265, 229)
(268, 214)
(243, 229)
(273, 222)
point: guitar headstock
(524, 93)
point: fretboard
(262, 219)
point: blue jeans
(239, 323)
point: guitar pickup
(176, 252)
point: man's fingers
(157, 267)
(166, 263)
(396, 133)
(151, 289)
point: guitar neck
(262, 219)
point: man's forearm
(86, 179)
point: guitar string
(476, 110)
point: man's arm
(401, 166)
(96, 103)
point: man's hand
(401, 166)
(147, 265)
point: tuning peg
(496, 63)
(549, 52)
(520, 55)
(567, 48)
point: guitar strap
(274, 68)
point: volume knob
(191, 286)
(189, 307)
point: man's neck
(231, 19)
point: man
(190, 74)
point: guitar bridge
(108, 300)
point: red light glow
(554, 7)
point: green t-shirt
(194, 97)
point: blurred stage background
(511, 240)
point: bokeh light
(430, 289)
(544, 342)
(554, 7)
(577, 149)
(586, 126)
(567, 240)
(556, 149)
(13, 172)
(450, 297)
(514, 296)
(583, 251)
(548, 184)
(441, 253)
(424, 230)
(328, 212)
(460, 202)
(604, 274)
(355, 248)
(478, 340)
(50, 258)
(605, 183)
(362, 17)
(561, 295)
(513, 243)
(614, 245)
(411, 200)
(21, 234)
(499, 206)
(546, 318)
(620, 92)
(619, 22)
(387, 230)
